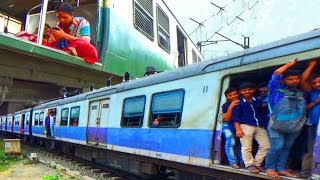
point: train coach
(129, 36)
(167, 123)
(21, 121)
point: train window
(13, 25)
(74, 117)
(163, 30)
(166, 109)
(143, 17)
(133, 111)
(64, 117)
(36, 119)
(41, 118)
(94, 107)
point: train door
(97, 122)
(182, 48)
(12, 123)
(22, 123)
(5, 124)
(219, 140)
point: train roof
(296, 44)
(291, 45)
(22, 111)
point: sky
(263, 21)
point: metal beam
(42, 21)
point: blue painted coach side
(26, 129)
(16, 128)
(183, 142)
(38, 130)
(73, 133)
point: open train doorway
(22, 123)
(97, 122)
(182, 48)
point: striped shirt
(80, 28)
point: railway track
(76, 167)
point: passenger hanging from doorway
(284, 97)
(72, 34)
(47, 131)
(52, 122)
(228, 130)
(312, 87)
(249, 125)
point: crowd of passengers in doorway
(71, 34)
(270, 122)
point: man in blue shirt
(249, 125)
(281, 143)
(232, 96)
(313, 89)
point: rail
(42, 20)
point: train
(115, 125)
(129, 36)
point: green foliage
(58, 176)
(6, 159)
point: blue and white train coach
(115, 126)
